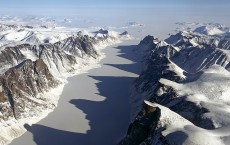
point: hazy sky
(157, 13)
(94, 7)
(109, 2)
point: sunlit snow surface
(204, 28)
(181, 131)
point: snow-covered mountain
(35, 62)
(204, 28)
(186, 80)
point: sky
(157, 13)
(111, 2)
(64, 7)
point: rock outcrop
(144, 124)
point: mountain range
(182, 95)
(35, 63)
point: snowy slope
(188, 75)
(212, 29)
(210, 91)
(208, 30)
(178, 130)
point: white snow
(211, 91)
(181, 131)
(162, 43)
(213, 84)
(17, 36)
(209, 30)
(179, 71)
(193, 42)
(29, 54)
(207, 89)
(204, 28)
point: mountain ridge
(188, 74)
(34, 71)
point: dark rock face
(142, 127)
(147, 42)
(55, 58)
(22, 82)
(102, 31)
(74, 44)
(124, 33)
(11, 56)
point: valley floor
(94, 107)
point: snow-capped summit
(101, 33)
(209, 30)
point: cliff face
(10, 57)
(78, 46)
(21, 85)
(144, 124)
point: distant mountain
(186, 80)
(209, 30)
(213, 29)
(204, 28)
(135, 24)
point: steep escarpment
(144, 124)
(188, 75)
(79, 45)
(20, 87)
